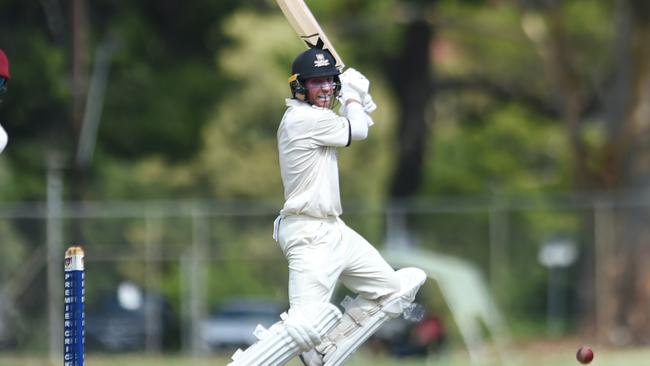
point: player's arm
(358, 120)
(354, 92)
(3, 138)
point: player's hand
(301, 331)
(355, 80)
(368, 104)
(354, 86)
(369, 121)
(349, 95)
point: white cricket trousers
(322, 251)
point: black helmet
(315, 62)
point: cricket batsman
(4, 79)
(320, 248)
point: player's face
(320, 91)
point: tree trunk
(621, 164)
(80, 47)
(625, 313)
(410, 77)
(552, 44)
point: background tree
(605, 116)
(475, 98)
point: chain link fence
(179, 260)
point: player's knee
(406, 281)
(411, 279)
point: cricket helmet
(4, 65)
(315, 62)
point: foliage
(520, 152)
(196, 92)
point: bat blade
(306, 26)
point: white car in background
(232, 325)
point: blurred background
(509, 159)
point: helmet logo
(321, 60)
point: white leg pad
(276, 347)
(363, 318)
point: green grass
(554, 353)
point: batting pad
(363, 318)
(275, 347)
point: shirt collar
(291, 102)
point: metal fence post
(192, 269)
(604, 236)
(498, 241)
(54, 242)
(153, 313)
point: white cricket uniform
(318, 245)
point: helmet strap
(297, 89)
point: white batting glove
(353, 85)
(347, 93)
(355, 80)
(300, 330)
(369, 121)
(368, 104)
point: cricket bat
(306, 26)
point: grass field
(556, 353)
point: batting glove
(300, 330)
(355, 80)
(353, 86)
(368, 104)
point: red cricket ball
(585, 354)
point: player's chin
(323, 102)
